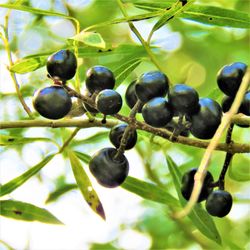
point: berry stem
(138, 35)
(177, 129)
(129, 129)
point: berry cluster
(218, 202)
(159, 104)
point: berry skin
(230, 76)
(131, 97)
(52, 102)
(109, 102)
(99, 78)
(206, 121)
(151, 84)
(116, 133)
(109, 172)
(219, 203)
(157, 112)
(245, 105)
(62, 64)
(183, 99)
(188, 183)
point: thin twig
(201, 172)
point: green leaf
(36, 61)
(30, 64)
(92, 139)
(34, 10)
(217, 16)
(201, 13)
(53, 196)
(149, 191)
(83, 157)
(18, 181)
(27, 212)
(200, 218)
(239, 170)
(92, 39)
(7, 140)
(123, 71)
(85, 185)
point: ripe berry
(62, 64)
(245, 105)
(99, 78)
(116, 133)
(230, 76)
(151, 84)
(109, 171)
(206, 121)
(187, 184)
(131, 97)
(183, 99)
(109, 102)
(219, 203)
(52, 102)
(157, 112)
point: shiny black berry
(99, 78)
(245, 104)
(219, 203)
(206, 121)
(109, 102)
(109, 171)
(62, 65)
(116, 133)
(151, 84)
(157, 112)
(52, 102)
(230, 76)
(131, 97)
(183, 99)
(187, 184)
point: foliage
(189, 42)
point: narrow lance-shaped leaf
(27, 212)
(200, 218)
(149, 191)
(14, 140)
(18, 181)
(204, 14)
(92, 39)
(83, 157)
(123, 71)
(85, 185)
(53, 196)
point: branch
(86, 123)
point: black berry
(99, 78)
(131, 97)
(157, 112)
(62, 65)
(52, 102)
(109, 102)
(245, 104)
(187, 184)
(230, 76)
(219, 203)
(183, 99)
(151, 84)
(116, 133)
(206, 121)
(109, 171)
